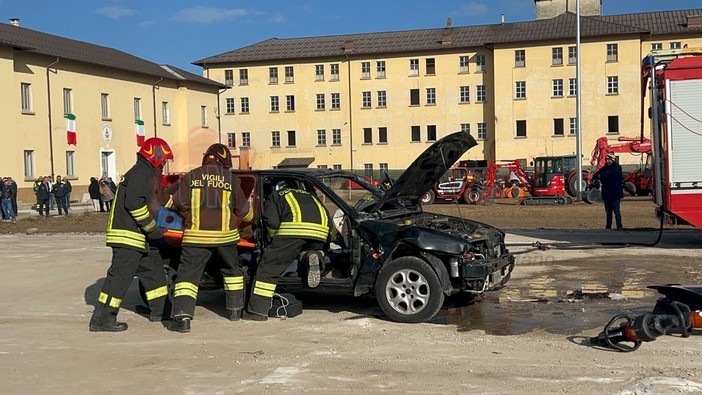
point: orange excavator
(545, 187)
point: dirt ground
(528, 338)
(637, 213)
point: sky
(179, 32)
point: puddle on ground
(508, 311)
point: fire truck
(675, 84)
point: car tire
(428, 198)
(408, 290)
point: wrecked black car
(383, 243)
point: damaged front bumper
(478, 276)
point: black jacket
(94, 189)
(43, 191)
(296, 213)
(612, 181)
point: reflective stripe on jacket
(296, 213)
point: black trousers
(43, 207)
(613, 207)
(192, 264)
(61, 204)
(276, 258)
(126, 263)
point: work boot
(245, 315)
(109, 326)
(314, 271)
(180, 324)
(234, 315)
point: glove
(155, 234)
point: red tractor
(462, 182)
(545, 187)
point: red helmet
(218, 153)
(156, 151)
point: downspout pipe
(219, 114)
(48, 101)
(153, 99)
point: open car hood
(427, 169)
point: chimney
(502, 19)
(14, 22)
(348, 46)
(446, 36)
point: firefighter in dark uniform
(214, 206)
(297, 221)
(130, 229)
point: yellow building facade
(46, 78)
(375, 101)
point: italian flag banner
(140, 132)
(71, 137)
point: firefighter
(297, 221)
(213, 205)
(612, 180)
(132, 232)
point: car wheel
(473, 197)
(408, 290)
(428, 198)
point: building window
(229, 77)
(365, 70)
(368, 169)
(482, 131)
(291, 138)
(572, 86)
(572, 55)
(321, 105)
(414, 67)
(415, 134)
(520, 90)
(203, 116)
(275, 138)
(319, 72)
(613, 124)
(656, 46)
(165, 113)
(557, 88)
(334, 72)
(414, 97)
(557, 56)
(465, 128)
(336, 167)
(367, 136)
(137, 108)
(335, 101)
(612, 52)
(246, 139)
(558, 127)
(382, 135)
(336, 136)
(275, 104)
(464, 94)
(675, 45)
(244, 101)
(573, 129)
(105, 105)
(382, 99)
(612, 85)
(366, 100)
(229, 105)
(321, 137)
(67, 101)
(480, 63)
(521, 128)
(520, 58)
(243, 76)
(431, 96)
(463, 64)
(481, 94)
(383, 167)
(272, 75)
(70, 164)
(231, 140)
(289, 74)
(431, 66)
(321, 166)
(29, 164)
(26, 97)
(431, 132)
(290, 103)
(380, 68)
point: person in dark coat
(611, 179)
(94, 192)
(43, 195)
